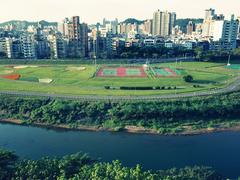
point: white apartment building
(6, 47)
(53, 46)
(63, 27)
(28, 46)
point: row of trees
(217, 55)
(153, 52)
(52, 111)
(80, 166)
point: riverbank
(187, 131)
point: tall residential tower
(163, 23)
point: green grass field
(68, 79)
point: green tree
(188, 78)
(7, 164)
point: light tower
(229, 58)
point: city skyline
(56, 10)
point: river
(218, 150)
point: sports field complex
(87, 79)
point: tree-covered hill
(133, 21)
(25, 24)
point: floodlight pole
(229, 58)
(95, 62)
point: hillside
(25, 24)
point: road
(235, 86)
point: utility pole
(95, 55)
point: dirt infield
(46, 81)
(73, 68)
(12, 76)
(137, 72)
(24, 67)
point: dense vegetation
(154, 52)
(80, 166)
(151, 114)
(217, 55)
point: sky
(92, 11)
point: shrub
(135, 88)
(196, 86)
(188, 78)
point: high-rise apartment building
(28, 46)
(216, 30)
(211, 20)
(209, 13)
(148, 27)
(190, 28)
(77, 36)
(157, 22)
(238, 18)
(124, 28)
(74, 29)
(58, 46)
(230, 32)
(110, 26)
(172, 21)
(41, 43)
(17, 49)
(63, 27)
(53, 46)
(84, 39)
(6, 47)
(163, 23)
(224, 33)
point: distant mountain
(25, 24)
(132, 21)
(46, 23)
(180, 22)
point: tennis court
(133, 72)
(165, 72)
(233, 66)
(121, 72)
